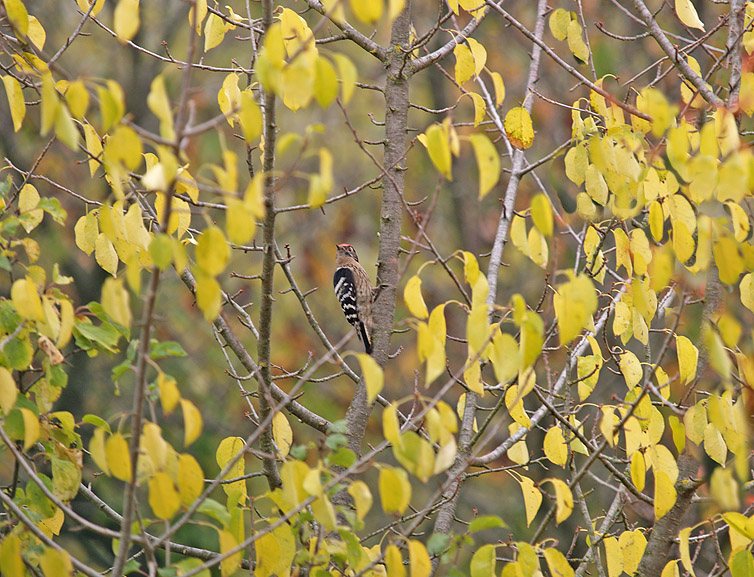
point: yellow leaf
(8, 390)
(26, 299)
(438, 147)
(159, 104)
(607, 425)
(28, 200)
(747, 292)
(631, 369)
(683, 546)
(118, 458)
(394, 562)
(558, 23)
(464, 68)
(190, 479)
(250, 116)
(576, 163)
(714, 445)
(688, 355)
(231, 563)
(104, 253)
(557, 563)
(325, 82)
(419, 563)
(31, 428)
(563, 500)
(519, 128)
(94, 147)
(85, 4)
(576, 43)
(348, 76)
(362, 498)
(728, 259)
(541, 213)
(595, 184)
(239, 223)
(638, 470)
(497, 82)
(282, 433)
(488, 162)
(687, 14)
(15, 101)
(480, 107)
(98, 451)
(214, 32)
(665, 494)
(11, 561)
(163, 497)
(212, 251)
(126, 19)
(169, 395)
(395, 490)
(201, 12)
(18, 16)
(670, 569)
(192, 422)
(373, 376)
(228, 448)
(368, 11)
(632, 544)
(229, 97)
(538, 251)
(505, 357)
(613, 557)
(555, 446)
(532, 498)
(116, 302)
(56, 563)
(413, 297)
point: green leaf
(486, 522)
(160, 350)
(97, 422)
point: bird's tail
(365, 338)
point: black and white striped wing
(345, 290)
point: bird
(354, 291)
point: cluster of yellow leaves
(415, 452)
(564, 25)
(173, 479)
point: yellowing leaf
(31, 428)
(412, 295)
(632, 544)
(15, 101)
(368, 11)
(558, 23)
(557, 563)
(190, 479)
(11, 561)
(532, 498)
(395, 490)
(563, 499)
(116, 302)
(169, 395)
(488, 162)
(159, 104)
(683, 546)
(541, 213)
(212, 251)
(8, 391)
(126, 19)
(214, 32)
(228, 448)
(687, 14)
(519, 128)
(118, 458)
(555, 446)
(631, 369)
(714, 445)
(464, 69)
(419, 563)
(282, 433)
(362, 498)
(192, 422)
(688, 355)
(104, 253)
(18, 16)
(250, 116)
(665, 494)
(747, 291)
(348, 75)
(497, 81)
(373, 376)
(483, 562)
(576, 43)
(163, 497)
(438, 146)
(26, 299)
(638, 470)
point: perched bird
(354, 291)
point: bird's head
(346, 250)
